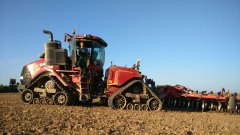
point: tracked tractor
(63, 77)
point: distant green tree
(7, 89)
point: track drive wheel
(61, 98)
(154, 104)
(27, 96)
(119, 102)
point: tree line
(8, 89)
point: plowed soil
(18, 118)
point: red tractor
(62, 78)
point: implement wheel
(27, 96)
(154, 104)
(61, 98)
(119, 102)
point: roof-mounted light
(87, 35)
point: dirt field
(17, 118)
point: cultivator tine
(175, 102)
(169, 101)
(219, 107)
(236, 109)
(192, 104)
(211, 106)
(172, 102)
(184, 103)
(163, 101)
(180, 103)
(188, 104)
(203, 106)
(197, 105)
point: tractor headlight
(21, 77)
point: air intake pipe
(50, 34)
(54, 54)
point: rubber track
(110, 99)
(35, 81)
(54, 80)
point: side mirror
(65, 36)
(138, 64)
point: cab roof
(88, 37)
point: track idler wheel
(50, 101)
(184, 103)
(119, 102)
(27, 96)
(129, 106)
(180, 103)
(36, 101)
(61, 98)
(144, 107)
(154, 104)
(137, 107)
(43, 101)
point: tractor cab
(87, 54)
(94, 49)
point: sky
(195, 43)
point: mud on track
(18, 118)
